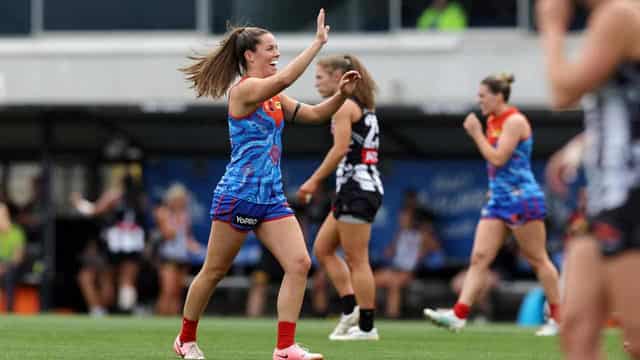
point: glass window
(276, 15)
(493, 13)
(579, 22)
(119, 15)
(455, 15)
(15, 17)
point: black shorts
(618, 230)
(358, 204)
(120, 257)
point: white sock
(127, 297)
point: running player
(601, 273)
(516, 203)
(356, 138)
(250, 196)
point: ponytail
(366, 88)
(212, 74)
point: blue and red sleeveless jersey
(253, 174)
(513, 183)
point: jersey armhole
(235, 117)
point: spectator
(122, 208)
(29, 216)
(174, 223)
(415, 239)
(12, 241)
(443, 15)
(94, 280)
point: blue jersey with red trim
(253, 174)
(513, 181)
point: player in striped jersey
(354, 158)
(601, 269)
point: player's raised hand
(348, 82)
(322, 30)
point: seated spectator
(94, 280)
(443, 15)
(12, 242)
(122, 208)
(174, 223)
(415, 239)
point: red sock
(286, 334)
(461, 310)
(554, 312)
(188, 331)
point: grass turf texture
(80, 337)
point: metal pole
(524, 14)
(37, 17)
(48, 214)
(203, 16)
(4, 181)
(354, 15)
(395, 15)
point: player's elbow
(564, 98)
(562, 102)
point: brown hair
(500, 84)
(213, 73)
(366, 88)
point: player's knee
(570, 322)
(213, 273)
(299, 265)
(575, 331)
(538, 262)
(320, 253)
(355, 261)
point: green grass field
(79, 337)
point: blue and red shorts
(243, 215)
(515, 212)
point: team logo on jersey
(272, 105)
(369, 156)
(273, 108)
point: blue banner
(455, 190)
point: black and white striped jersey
(358, 170)
(612, 124)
